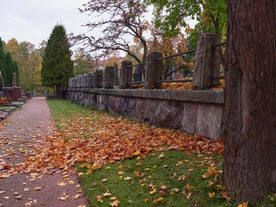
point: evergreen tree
(2, 59)
(57, 66)
(9, 70)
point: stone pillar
(108, 81)
(14, 80)
(207, 62)
(1, 84)
(153, 71)
(90, 79)
(116, 72)
(126, 74)
(97, 79)
(138, 73)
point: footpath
(17, 137)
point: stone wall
(13, 92)
(190, 111)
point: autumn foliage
(102, 139)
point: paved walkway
(20, 190)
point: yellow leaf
(137, 153)
(38, 188)
(244, 204)
(211, 195)
(153, 191)
(113, 198)
(115, 203)
(61, 184)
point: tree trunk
(249, 168)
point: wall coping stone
(203, 96)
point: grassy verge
(163, 178)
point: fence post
(153, 71)
(126, 74)
(97, 79)
(207, 63)
(116, 76)
(108, 81)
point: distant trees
(29, 60)
(57, 66)
(7, 66)
(83, 63)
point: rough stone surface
(191, 111)
(207, 62)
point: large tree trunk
(250, 99)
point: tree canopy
(172, 15)
(117, 23)
(57, 66)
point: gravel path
(57, 189)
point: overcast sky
(34, 20)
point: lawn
(124, 163)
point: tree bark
(249, 168)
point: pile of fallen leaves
(177, 86)
(188, 85)
(100, 139)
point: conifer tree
(2, 59)
(57, 66)
(8, 70)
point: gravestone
(1, 84)
(14, 80)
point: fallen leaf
(63, 197)
(104, 180)
(115, 203)
(99, 198)
(157, 200)
(77, 196)
(37, 188)
(162, 155)
(61, 184)
(189, 195)
(211, 194)
(127, 178)
(243, 204)
(225, 195)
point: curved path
(20, 190)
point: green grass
(167, 178)
(64, 110)
(174, 177)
